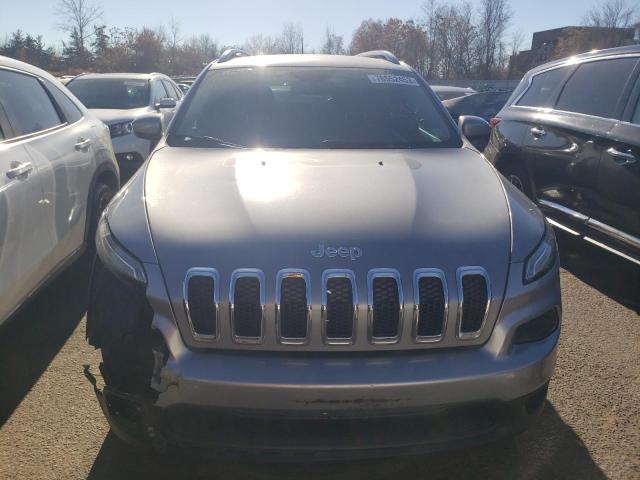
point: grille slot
(293, 307)
(339, 304)
(385, 306)
(475, 296)
(431, 305)
(202, 303)
(247, 307)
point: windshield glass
(111, 93)
(312, 107)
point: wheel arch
(105, 174)
(507, 158)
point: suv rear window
(542, 90)
(312, 107)
(595, 87)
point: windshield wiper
(218, 142)
(334, 143)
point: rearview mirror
(476, 130)
(166, 103)
(149, 128)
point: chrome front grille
(380, 320)
(202, 302)
(339, 307)
(473, 305)
(293, 307)
(431, 305)
(385, 306)
(246, 305)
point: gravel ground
(51, 426)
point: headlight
(543, 257)
(115, 257)
(120, 129)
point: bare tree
(261, 45)
(432, 60)
(517, 39)
(611, 14)
(174, 33)
(77, 18)
(291, 39)
(173, 42)
(333, 43)
(451, 40)
(494, 17)
(406, 39)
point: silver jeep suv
(314, 261)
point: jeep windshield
(111, 93)
(312, 107)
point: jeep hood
(230, 209)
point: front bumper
(324, 435)
(335, 404)
(346, 407)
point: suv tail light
(494, 121)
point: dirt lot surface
(51, 426)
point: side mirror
(149, 128)
(166, 103)
(476, 130)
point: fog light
(538, 328)
(129, 157)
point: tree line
(451, 40)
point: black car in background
(569, 138)
(483, 104)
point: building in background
(566, 41)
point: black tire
(101, 197)
(516, 174)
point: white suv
(119, 98)
(57, 173)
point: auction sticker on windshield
(394, 80)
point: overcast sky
(231, 22)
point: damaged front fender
(131, 417)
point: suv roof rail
(73, 77)
(230, 54)
(380, 54)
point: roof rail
(73, 77)
(230, 54)
(380, 54)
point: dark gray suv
(314, 261)
(569, 137)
